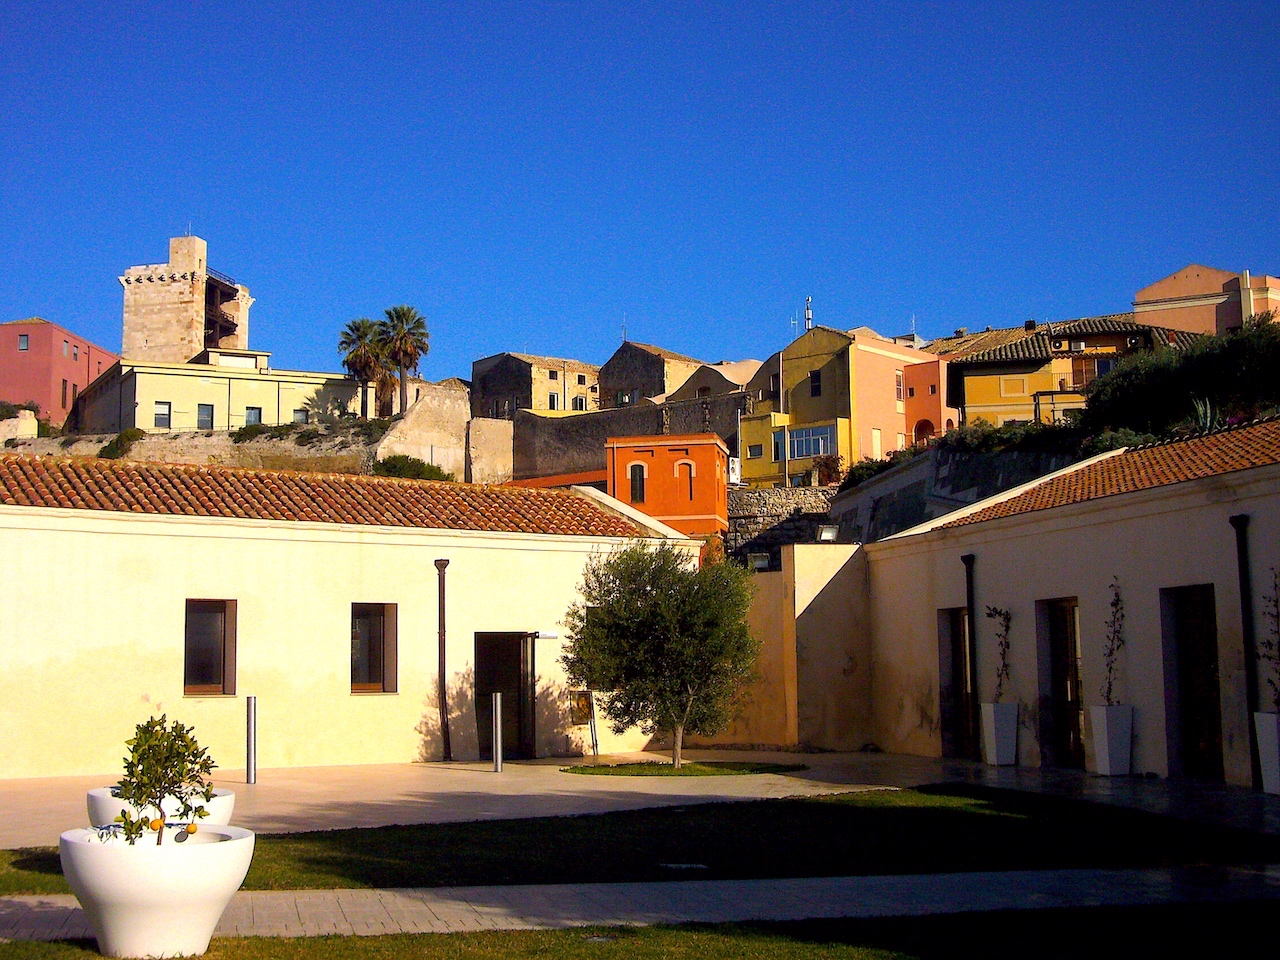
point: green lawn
(1196, 930)
(708, 768)
(929, 830)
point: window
(637, 483)
(75, 392)
(252, 416)
(373, 648)
(553, 401)
(75, 353)
(594, 388)
(686, 474)
(553, 374)
(815, 383)
(755, 451)
(209, 657)
(64, 394)
(582, 379)
(877, 450)
(911, 392)
(813, 441)
(897, 385)
(777, 445)
(204, 416)
(773, 385)
(24, 342)
(933, 389)
(579, 403)
(300, 416)
(163, 414)
(902, 441)
(703, 392)
(64, 347)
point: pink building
(926, 409)
(1206, 300)
(43, 362)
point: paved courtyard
(34, 812)
(459, 909)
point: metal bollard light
(251, 739)
(497, 733)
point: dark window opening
(209, 658)
(815, 383)
(373, 648)
(204, 416)
(637, 483)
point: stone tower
(173, 311)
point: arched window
(637, 482)
(923, 431)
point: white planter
(104, 808)
(1112, 739)
(155, 901)
(1267, 726)
(1000, 734)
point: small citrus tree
(664, 641)
(164, 761)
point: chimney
(1029, 326)
(808, 313)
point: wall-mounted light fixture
(827, 532)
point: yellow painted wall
(229, 389)
(98, 646)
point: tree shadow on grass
(37, 860)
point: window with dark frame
(637, 483)
(553, 374)
(64, 394)
(209, 653)
(815, 383)
(579, 403)
(553, 401)
(24, 342)
(164, 412)
(204, 416)
(252, 416)
(301, 416)
(897, 384)
(755, 451)
(373, 648)
(582, 379)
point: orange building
(1202, 299)
(682, 481)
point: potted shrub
(106, 806)
(157, 887)
(1000, 720)
(1113, 722)
(1267, 724)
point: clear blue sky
(526, 174)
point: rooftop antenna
(913, 324)
(795, 324)
(808, 313)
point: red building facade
(45, 363)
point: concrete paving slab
(443, 910)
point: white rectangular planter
(1112, 739)
(1000, 734)
(1267, 726)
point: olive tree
(664, 641)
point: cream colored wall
(96, 657)
(1168, 537)
(833, 663)
(768, 716)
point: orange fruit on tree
(157, 823)
(191, 828)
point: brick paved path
(454, 909)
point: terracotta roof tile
(1142, 468)
(1018, 343)
(182, 490)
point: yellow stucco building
(827, 392)
(317, 593)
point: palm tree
(362, 356)
(403, 335)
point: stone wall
(548, 446)
(633, 371)
(762, 520)
(488, 451)
(434, 430)
(21, 427)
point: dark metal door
(505, 664)
(1066, 703)
(1199, 703)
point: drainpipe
(1241, 524)
(782, 408)
(444, 699)
(971, 606)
